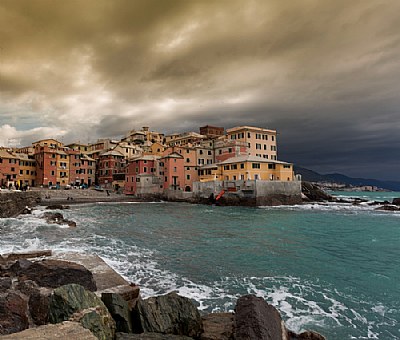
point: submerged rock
(388, 207)
(169, 314)
(57, 218)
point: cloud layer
(323, 73)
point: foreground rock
(13, 312)
(72, 302)
(169, 314)
(63, 331)
(218, 326)
(119, 310)
(396, 201)
(255, 319)
(51, 273)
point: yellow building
(247, 168)
(27, 170)
(260, 142)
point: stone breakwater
(13, 203)
(71, 296)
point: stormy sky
(325, 74)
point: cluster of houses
(148, 162)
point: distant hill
(312, 176)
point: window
(52, 173)
(200, 152)
(248, 135)
(137, 179)
(27, 172)
(271, 166)
(286, 166)
(226, 167)
(188, 177)
(187, 160)
(258, 146)
(265, 156)
(234, 166)
(256, 165)
(241, 165)
(273, 138)
(265, 146)
(201, 161)
(256, 176)
(209, 152)
(174, 168)
(234, 178)
(21, 172)
(230, 150)
(145, 169)
(258, 135)
(273, 147)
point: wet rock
(151, 336)
(13, 312)
(169, 314)
(396, 201)
(389, 208)
(73, 302)
(119, 310)
(314, 193)
(256, 319)
(57, 207)
(54, 273)
(218, 326)
(63, 331)
(57, 218)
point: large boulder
(53, 273)
(129, 292)
(75, 303)
(63, 331)
(256, 319)
(13, 312)
(388, 207)
(119, 310)
(168, 314)
(218, 326)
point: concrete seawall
(13, 203)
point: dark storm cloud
(323, 73)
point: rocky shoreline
(71, 296)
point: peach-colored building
(260, 142)
(248, 168)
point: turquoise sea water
(333, 268)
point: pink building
(173, 168)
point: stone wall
(250, 192)
(13, 203)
